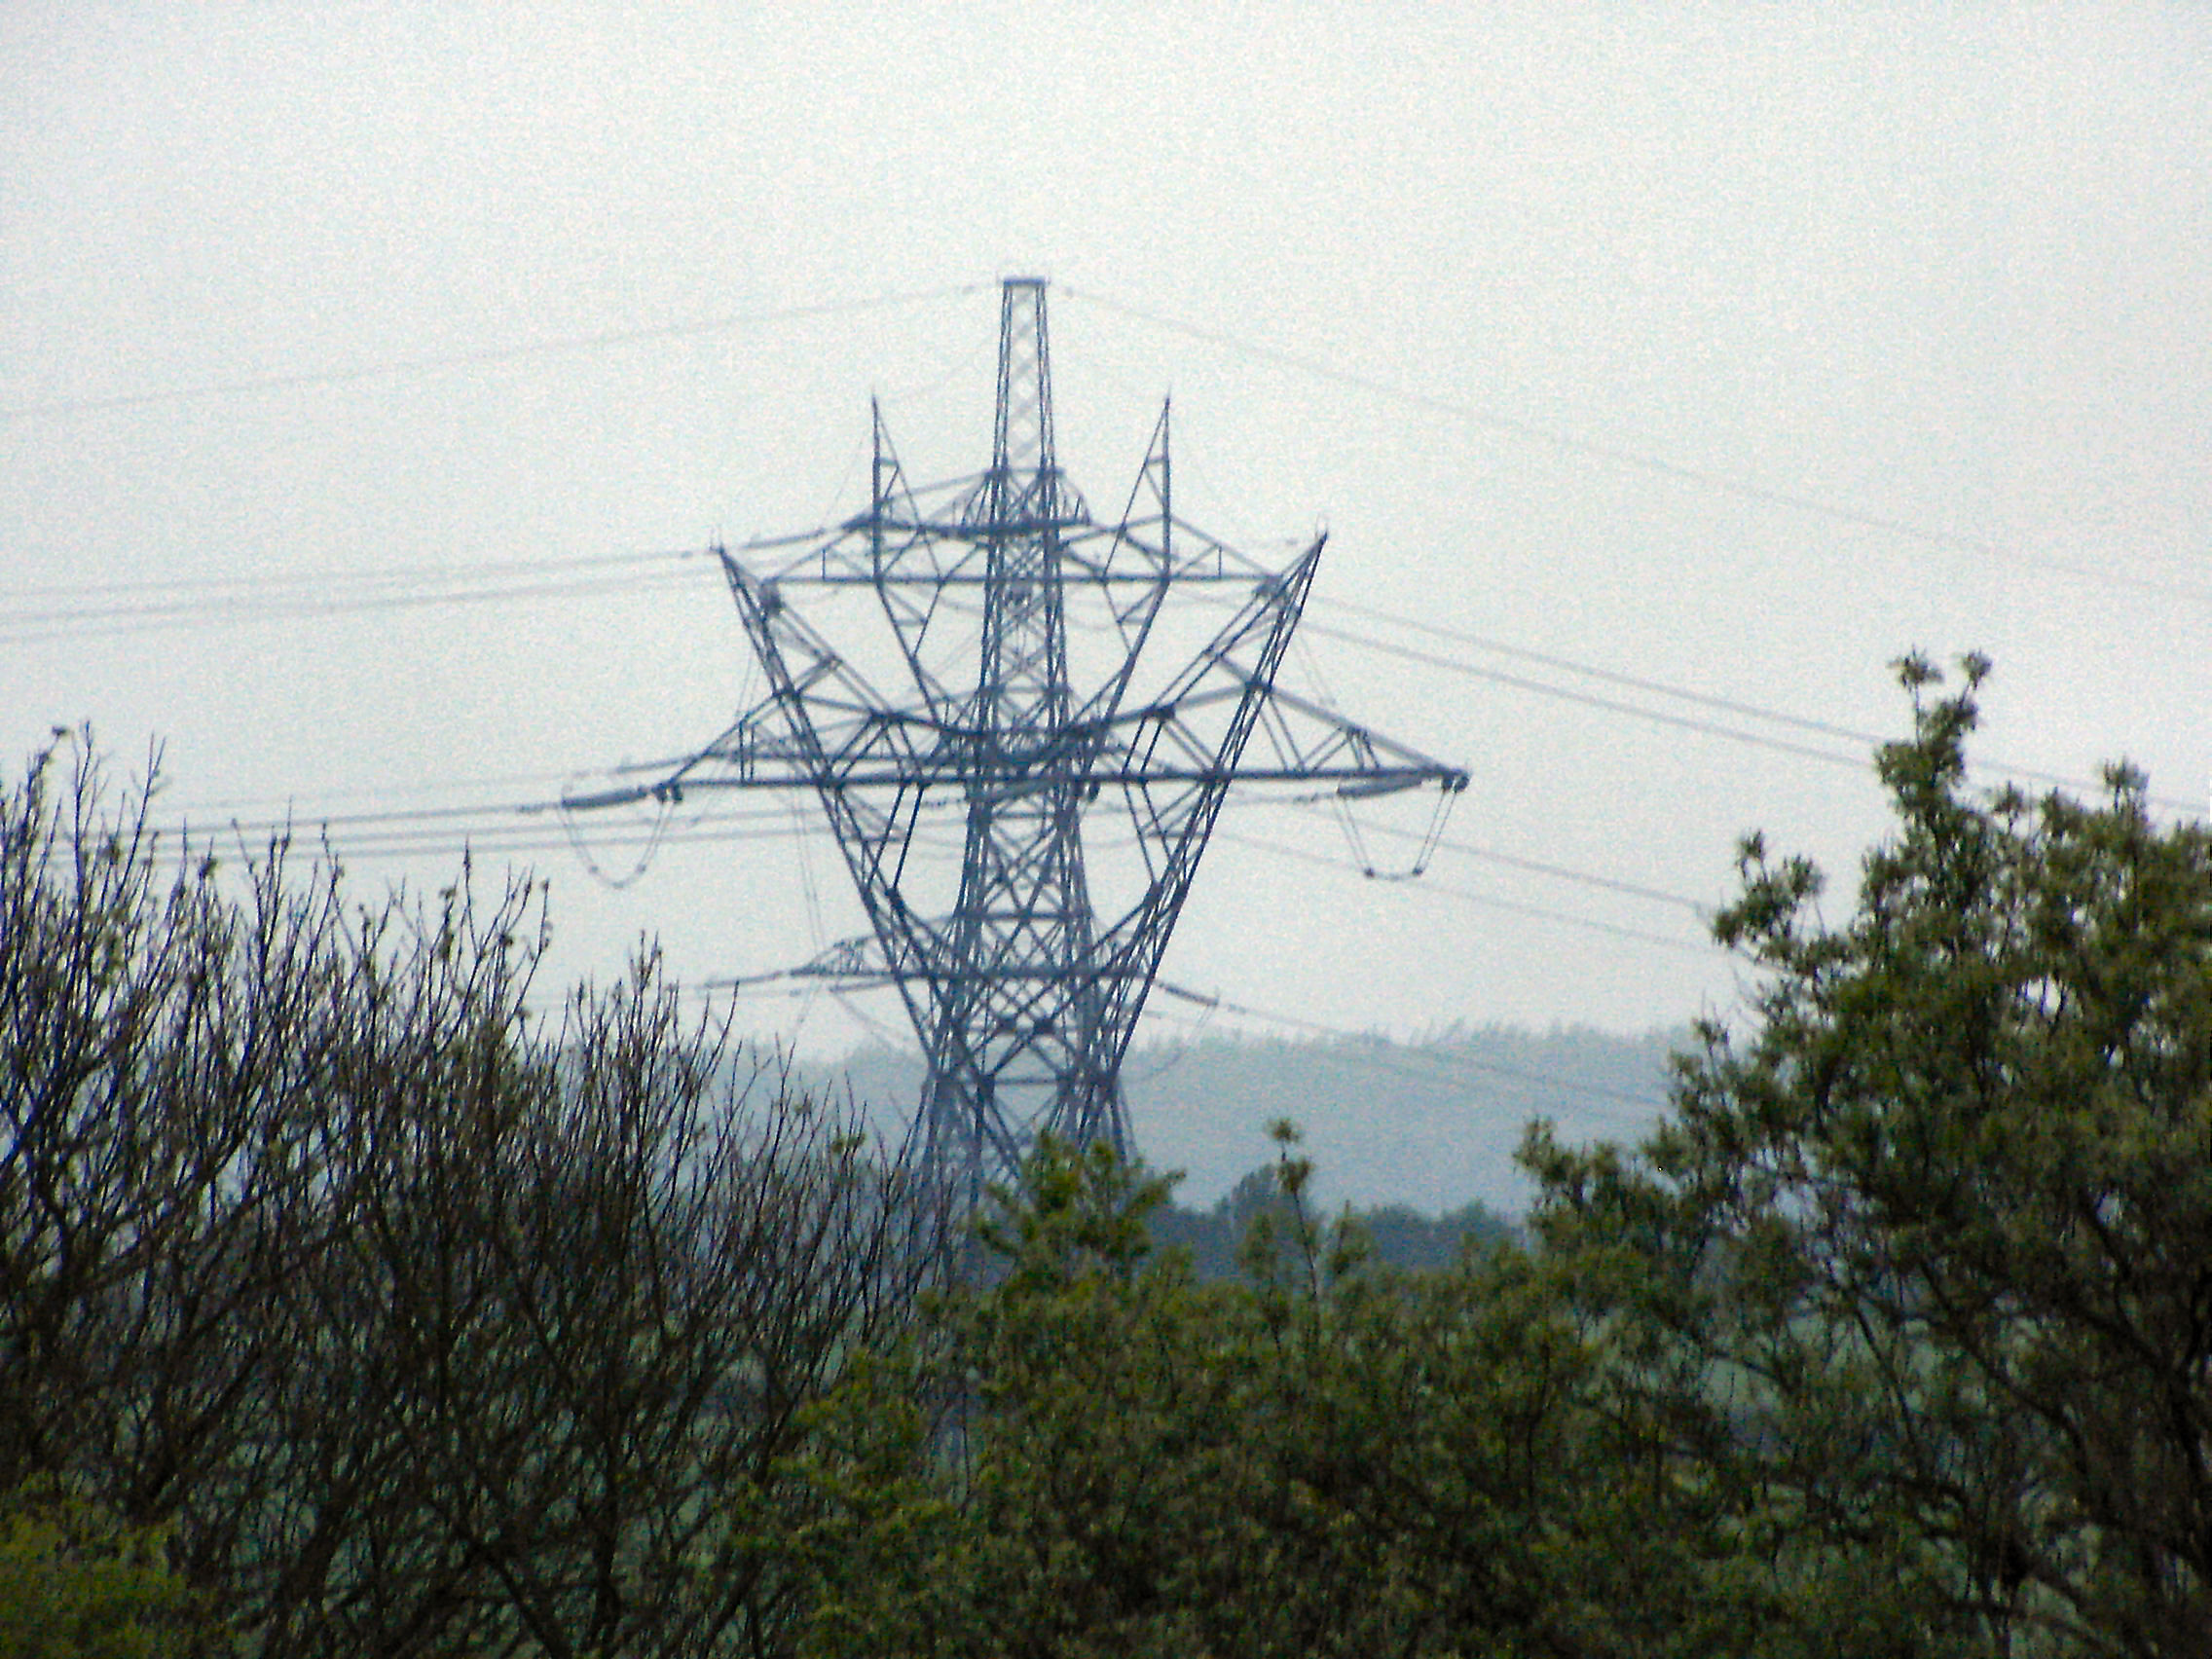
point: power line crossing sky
(1660, 375)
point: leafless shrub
(434, 1328)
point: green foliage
(75, 1583)
(1919, 1269)
(1893, 1343)
(1329, 1457)
(391, 1320)
(870, 1524)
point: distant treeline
(1400, 1236)
(1429, 1125)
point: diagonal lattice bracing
(1050, 699)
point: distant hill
(1430, 1125)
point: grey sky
(1948, 267)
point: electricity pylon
(1027, 634)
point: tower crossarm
(1088, 550)
(1306, 743)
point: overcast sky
(1719, 351)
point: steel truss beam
(1023, 988)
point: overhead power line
(30, 615)
(395, 368)
(1499, 677)
(1429, 886)
(1512, 425)
(1610, 676)
(1617, 454)
(1533, 867)
(474, 570)
(487, 832)
(515, 829)
(1986, 766)
(54, 611)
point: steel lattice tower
(1026, 633)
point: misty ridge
(1429, 1125)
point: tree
(1916, 1277)
(411, 1320)
(1330, 1457)
(147, 1034)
